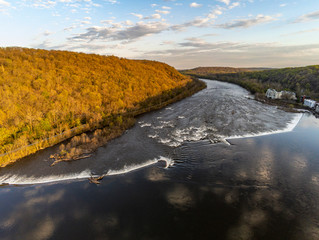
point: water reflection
(180, 197)
(258, 188)
(29, 217)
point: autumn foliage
(46, 93)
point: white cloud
(117, 25)
(313, 16)
(69, 3)
(195, 5)
(167, 8)
(140, 16)
(43, 3)
(128, 23)
(227, 2)
(233, 5)
(245, 23)
(67, 29)
(4, 3)
(127, 34)
(154, 5)
(112, 1)
(168, 43)
(196, 52)
(206, 21)
(3, 6)
(47, 33)
(87, 18)
(106, 21)
(214, 14)
(162, 11)
(154, 16)
(85, 22)
(197, 22)
(302, 32)
(283, 5)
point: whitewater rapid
(289, 127)
(26, 180)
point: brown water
(263, 187)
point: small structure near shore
(309, 103)
(273, 94)
(288, 95)
(317, 108)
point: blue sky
(184, 34)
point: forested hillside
(302, 80)
(46, 93)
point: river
(215, 165)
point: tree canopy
(45, 93)
(302, 80)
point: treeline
(301, 80)
(46, 94)
(204, 71)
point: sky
(184, 34)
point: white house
(273, 94)
(288, 95)
(309, 103)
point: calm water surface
(188, 182)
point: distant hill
(220, 70)
(48, 93)
(302, 80)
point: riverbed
(215, 165)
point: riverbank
(85, 139)
(285, 105)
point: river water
(216, 165)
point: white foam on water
(158, 127)
(164, 124)
(133, 167)
(174, 144)
(179, 136)
(145, 125)
(26, 180)
(189, 134)
(152, 136)
(289, 127)
(169, 162)
(192, 133)
(165, 140)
